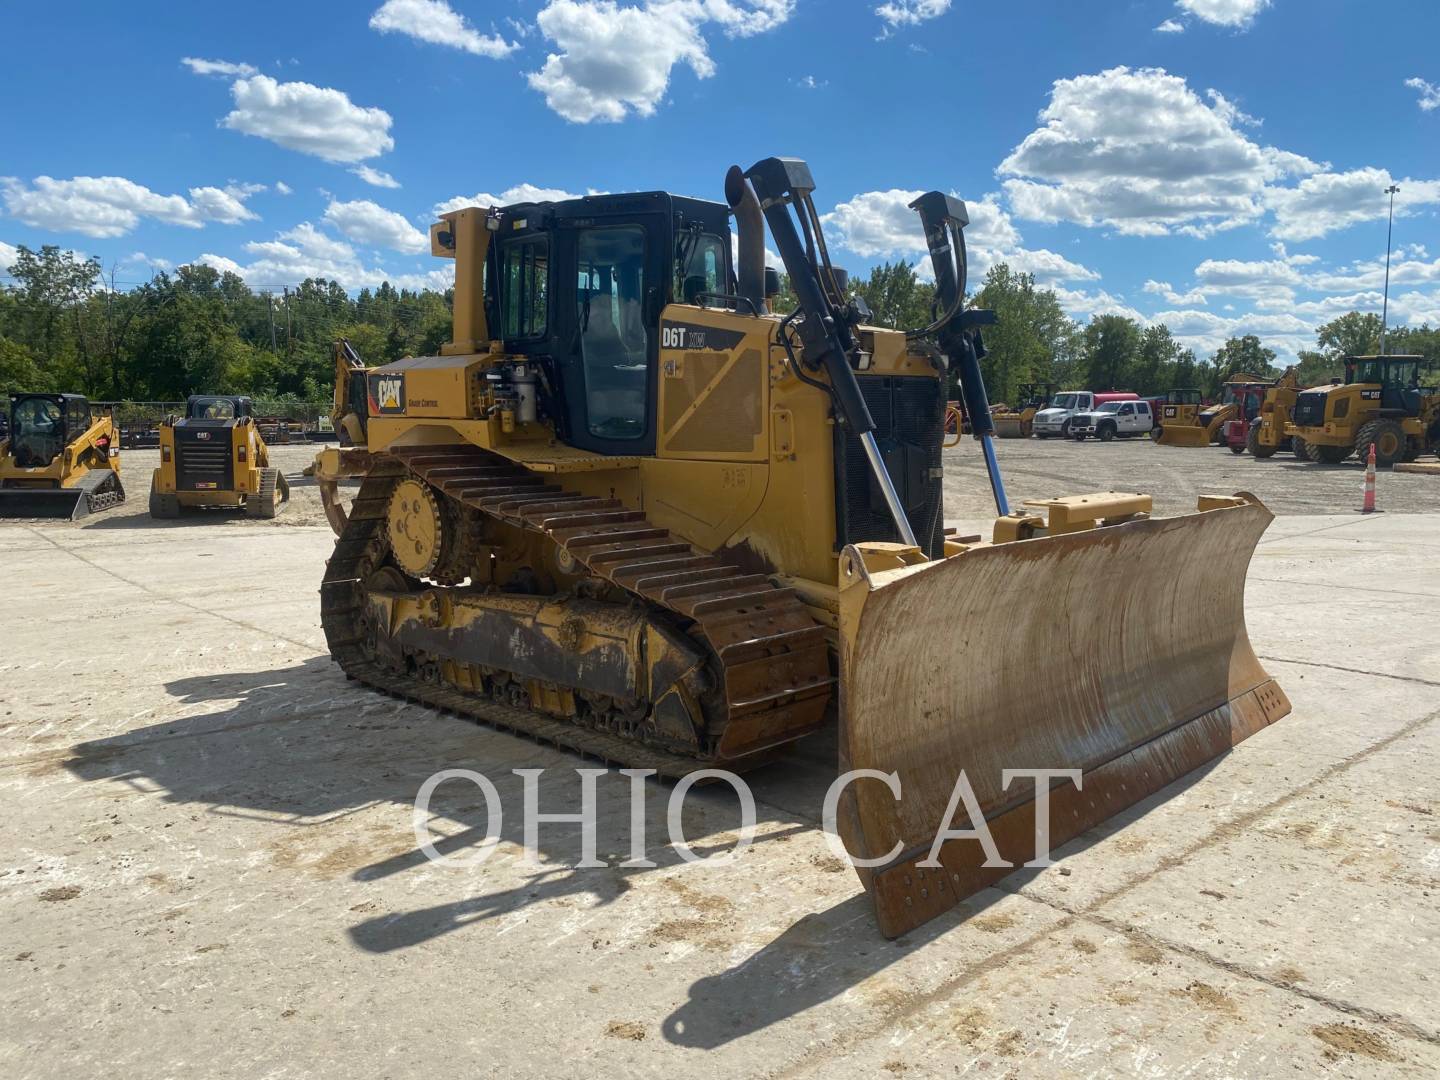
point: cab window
(524, 288)
(1127, 410)
(614, 341)
(700, 268)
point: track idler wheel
(416, 528)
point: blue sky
(1218, 165)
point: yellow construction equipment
(1266, 433)
(1204, 425)
(1381, 403)
(631, 512)
(1019, 423)
(1174, 407)
(213, 456)
(58, 459)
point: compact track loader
(1204, 425)
(213, 456)
(58, 460)
(1381, 403)
(630, 511)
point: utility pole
(289, 334)
(270, 303)
(1389, 234)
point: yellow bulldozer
(1019, 422)
(630, 511)
(1203, 425)
(58, 459)
(213, 456)
(1381, 404)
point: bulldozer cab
(1398, 379)
(582, 284)
(216, 407)
(41, 425)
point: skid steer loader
(1381, 403)
(629, 511)
(1195, 425)
(58, 460)
(213, 456)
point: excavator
(631, 511)
(58, 459)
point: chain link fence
(279, 422)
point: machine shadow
(300, 747)
(825, 954)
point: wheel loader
(58, 460)
(1265, 435)
(1381, 404)
(630, 511)
(214, 456)
(1197, 425)
(1019, 423)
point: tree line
(64, 327)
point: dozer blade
(1184, 435)
(1120, 651)
(68, 503)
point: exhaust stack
(750, 234)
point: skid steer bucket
(1120, 651)
(68, 503)
(1184, 435)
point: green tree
(1033, 340)
(1314, 368)
(1242, 355)
(19, 373)
(1352, 334)
(1414, 341)
(1109, 350)
(896, 296)
(1158, 360)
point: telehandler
(1264, 435)
(213, 456)
(628, 511)
(1381, 403)
(58, 460)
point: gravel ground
(1174, 475)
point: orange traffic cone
(1369, 505)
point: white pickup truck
(1055, 418)
(1122, 418)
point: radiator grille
(202, 465)
(909, 412)
(1310, 409)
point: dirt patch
(993, 924)
(970, 1027)
(706, 903)
(61, 892)
(212, 948)
(1130, 845)
(1122, 996)
(895, 1068)
(1414, 808)
(828, 863)
(1289, 973)
(1084, 945)
(1207, 997)
(1146, 953)
(1348, 1039)
(625, 1029)
(1011, 1044)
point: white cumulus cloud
(611, 60)
(311, 119)
(8, 254)
(367, 223)
(897, 13)
(217, 67)
(1233, 13)
(375, 177)
(1329, 201)
(520, 193)
(110, 206)
(306, 252)
(880, 224)
(1429, 93)
(436, 22)
(1170, 26)
(1140, 151)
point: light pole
(1389, 233)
